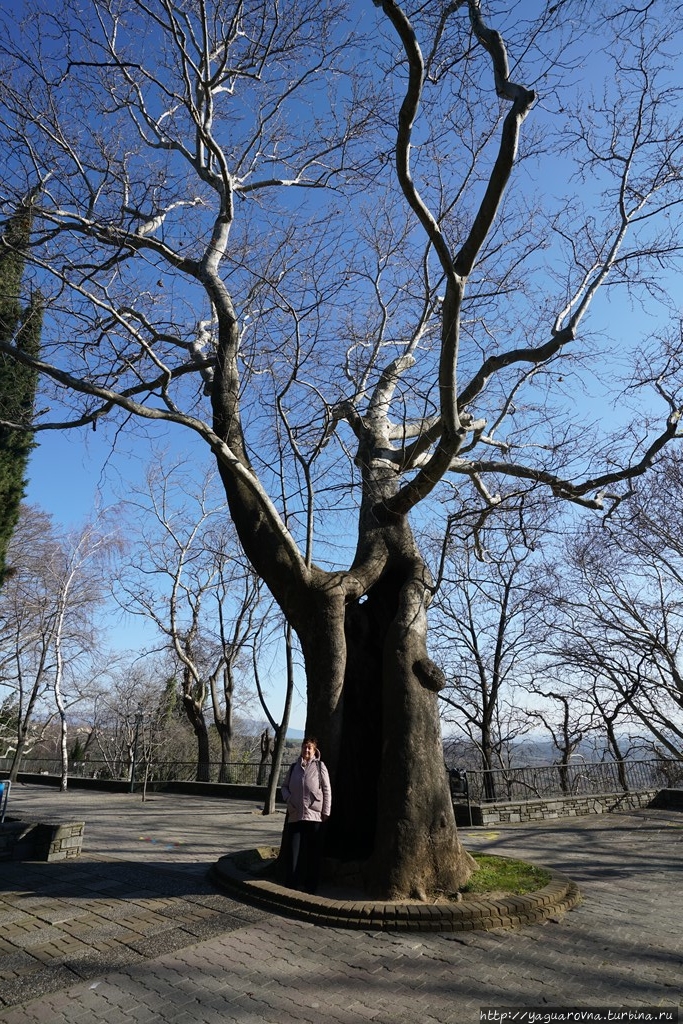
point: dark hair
(310, 739)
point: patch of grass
(501, 874)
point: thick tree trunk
(564, 776)
(487, 759)
(392, 809)
(223, 718)
(16, 759)
(198, 722)
(615, 748)
(275, 765)
(224, 729)
(416, 847)
(281, 731)
(319, 624)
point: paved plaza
(133, 931)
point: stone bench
(44, 840)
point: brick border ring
(558, 896)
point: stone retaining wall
(552, 807)
(224, 789)
(45, 841)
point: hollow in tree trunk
(379, 731)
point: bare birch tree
(47, 611)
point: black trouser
(304, 855)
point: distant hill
(254, 727)
(531, 751)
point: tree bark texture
(224, 729)
(197, 720)
(392, 805)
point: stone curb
(558, 896)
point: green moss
(500, 874)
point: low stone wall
(221, 789)
(45, 841)
(550, 808)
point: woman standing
(308, 796)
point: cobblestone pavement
(151, 942)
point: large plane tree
(351, 249)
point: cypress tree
(20, 328)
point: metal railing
(580, 778)
(238, 773)
(501, 784)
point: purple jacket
(307, 791)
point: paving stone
(124, 902)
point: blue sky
(63, 476)
(72, 475)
